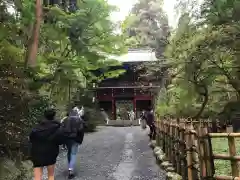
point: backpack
(72, 129)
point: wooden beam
(128, 87)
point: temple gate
(128, 92)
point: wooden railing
(188, 147)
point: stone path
(113, 153)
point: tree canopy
(48, 53)
(147, 27)
(203, 58)
(198, 59)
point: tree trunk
(32, 50)
(205, 101)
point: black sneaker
(70, 174)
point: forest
(49, 51)
(198, 62)
(198, 58)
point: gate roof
(137, 55)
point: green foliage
(220, 146)
(92, 116)
(202, 57)
(36, 109)
(147, 27)
(71, 45)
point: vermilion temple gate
(117, 100)
(128, 92)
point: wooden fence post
(208, 156)
(201, 151)
(189, 156)
(232, 152)
(165, 138)
(170, 140)
(182, 151)
(161, 135)
(218, 125)
(174, 145)
(177, 158)
(158, 133)
(195, 158)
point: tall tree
(63, 55)
(202, 56)
(147, 26)
(32, 50)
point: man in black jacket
(45, 144)
(73, 130)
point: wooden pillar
(134, 103)
(113, 106)
(113, 109)
(134, 106)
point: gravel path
(113, 153)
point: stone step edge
(163, 162)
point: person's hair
(49, 114)
(73, 106)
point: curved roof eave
(137, 56)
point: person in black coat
(45, 145)
(149, 116)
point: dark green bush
(93, 118)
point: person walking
(149, 116)
(45, 145)
(73, 130)
(64, 147)
(82, 112)
(131, 116)
(143, 120)
(104, 115)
